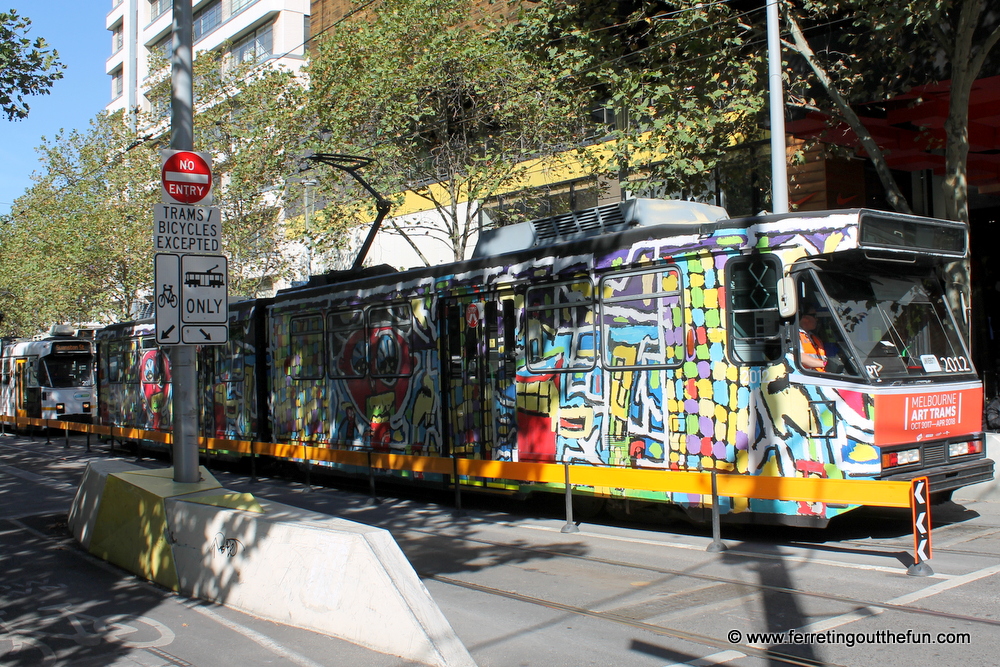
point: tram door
(478, 375)
(28, 395)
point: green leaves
(27, 67)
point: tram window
(389, 332)
(70, 370)
(642, 322)
(754, 322)
(348, 346)
(114, 360)
(306, 343)
(237, 349)
(130, 367)
(560, 327)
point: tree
(447, 106)
(679, 83)
(76, 244)
(26, 67)
(887, 47)
(249, 118)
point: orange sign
(927, 415)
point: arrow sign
(186, 177)
(919, 495)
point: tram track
(766, 654)
(857, 603)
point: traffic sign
(192, 299)
(180, 229)
(186, 177)
(204, 291)
(167, 298)
(920, 490)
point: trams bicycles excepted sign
(186, 177)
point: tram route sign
(180, 229)
(192, 299)
(186, 177)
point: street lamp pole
(779, 167)
(182, 357)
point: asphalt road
(517, 590)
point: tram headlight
(86, 407)
(903, 457)
(60, 408)
(964, 448)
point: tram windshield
(898, 326)
(68, 371)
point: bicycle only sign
(192, 299)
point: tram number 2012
(956, 365)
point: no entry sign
(186, 177)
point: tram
(647, 334)
(49, 378)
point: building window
(117, 84)
(252, 48)
(536, 203)
(164, 48)
(158, 8)
(117, 39)
(237, 6)
(208, 19)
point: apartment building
(257, 30)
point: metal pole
(779, 168)
(182, 357)
(371, 481)
(570, 527)
(717, 545)
(458, 492)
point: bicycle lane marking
(195, 605)
(253, 635)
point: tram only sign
(183, 229)
(186, 177)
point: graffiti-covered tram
(647, 334)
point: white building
(255, 30)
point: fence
(877, 493)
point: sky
(76, 29)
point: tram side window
(130, 366)
(642, 322)
(390, 329)
(348, 346)
(229, 358)
(115, 361)
(306, 353)
(560, 327)
(754, 322)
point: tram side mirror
(787, 303)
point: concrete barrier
(985, 491)
(275, 561)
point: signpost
(920, 490)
